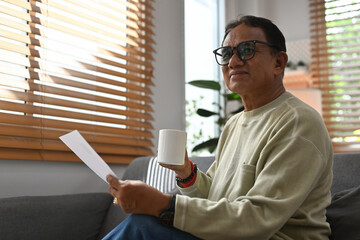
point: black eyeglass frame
(237, 52)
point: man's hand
(182, 171)
(138, 197)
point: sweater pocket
(242, 182)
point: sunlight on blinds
(335, 68)
(75, 64)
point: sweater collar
(267, 107)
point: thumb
(113, 181)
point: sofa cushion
(344, 215)
(78, 216)
(346, 170)
(137, 169)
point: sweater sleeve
(201, 186)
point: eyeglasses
(244, 50)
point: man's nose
(235, 60)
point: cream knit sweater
(270, 180)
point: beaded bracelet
(192, 175)
(189, 184)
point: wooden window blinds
(75, 64)
(335, 68)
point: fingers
(122, 197)
(113, 181)
(180, 170)
(177, 167)
(114, 186)
(113, 191)
(172, 167)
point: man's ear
(281, 61)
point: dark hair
(272, 32)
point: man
(273, 167)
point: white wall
(169, 74)
(28, 178)
(291, 16)
(18, 178)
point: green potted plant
(221, 115)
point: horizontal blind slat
(29, 85)
(30, 97)
(30, 39)
(58, 124)
(20, 3)
(53, 14)
(54, 77)
(58, 145)
(30, 109)
(38, 132)
(88, 96)
(42, 155)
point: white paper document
(87, 154)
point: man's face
(256, 76)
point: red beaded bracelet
(189, 184)
(189, 181)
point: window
(202, 36)
(75, 64)
(335, 48)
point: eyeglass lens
(244, 51)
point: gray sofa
(92, 216)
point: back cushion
(346, 171)
(159, 177)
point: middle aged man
(272, 172)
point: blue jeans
(144, 227)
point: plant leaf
(233, 96)
(221, 121)
(205, 113)
(207, 144)
(208, 84)
(212, 148)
